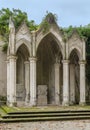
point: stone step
(54, 118)
(47, 111)
(32, 115)
(22, 115)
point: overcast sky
(69, 12)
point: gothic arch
(74, 70)
(56, 36)
(77, 50)
(48, 56)
(22, 57)
(26, 43)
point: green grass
(54, 108)
(2, 112)
(6, 109)
(44, 113)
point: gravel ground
(48, 125)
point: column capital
(7, 61)
(65, 61)
(32, 59)
(12, 57)
(82, 62)
(26, 62)
(57, 64)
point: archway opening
(88, 80)
(23, 55)
(48, 53)
(74, 78)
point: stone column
(33, 81)
(12, 83)
(65, 82)
(72, 84)
(57, 83)
(34, 43)
(27, 81)
(82, 83)
(8, 81)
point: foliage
(47, 21)
(83, 31)
(32, 26)
(68, 31)
(18, 17)
(3, 100)
(4, 47)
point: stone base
(33, 102)
(12, 104)
(72, 103)
(65, 104)
(82, 103)
(42, 101)
(42, 95)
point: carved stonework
(42, 95)
(43, 73)
(23, 33)
(75, 42)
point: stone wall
(3, 71)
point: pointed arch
(77, 50)
(26, 43)
(23, 50)
(22, 58)
(49, 53)
(74, 69)
(55, 36)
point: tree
(18, 17)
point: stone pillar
(72, 84)
(33, 81)
(8, 81)
(12, 83)
(57, 83)
(65, 82)
(82, 83)
(27, 81)
(34, 43)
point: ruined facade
(43, 68)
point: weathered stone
(43, 51)
(42, 95)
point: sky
(69, 12)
